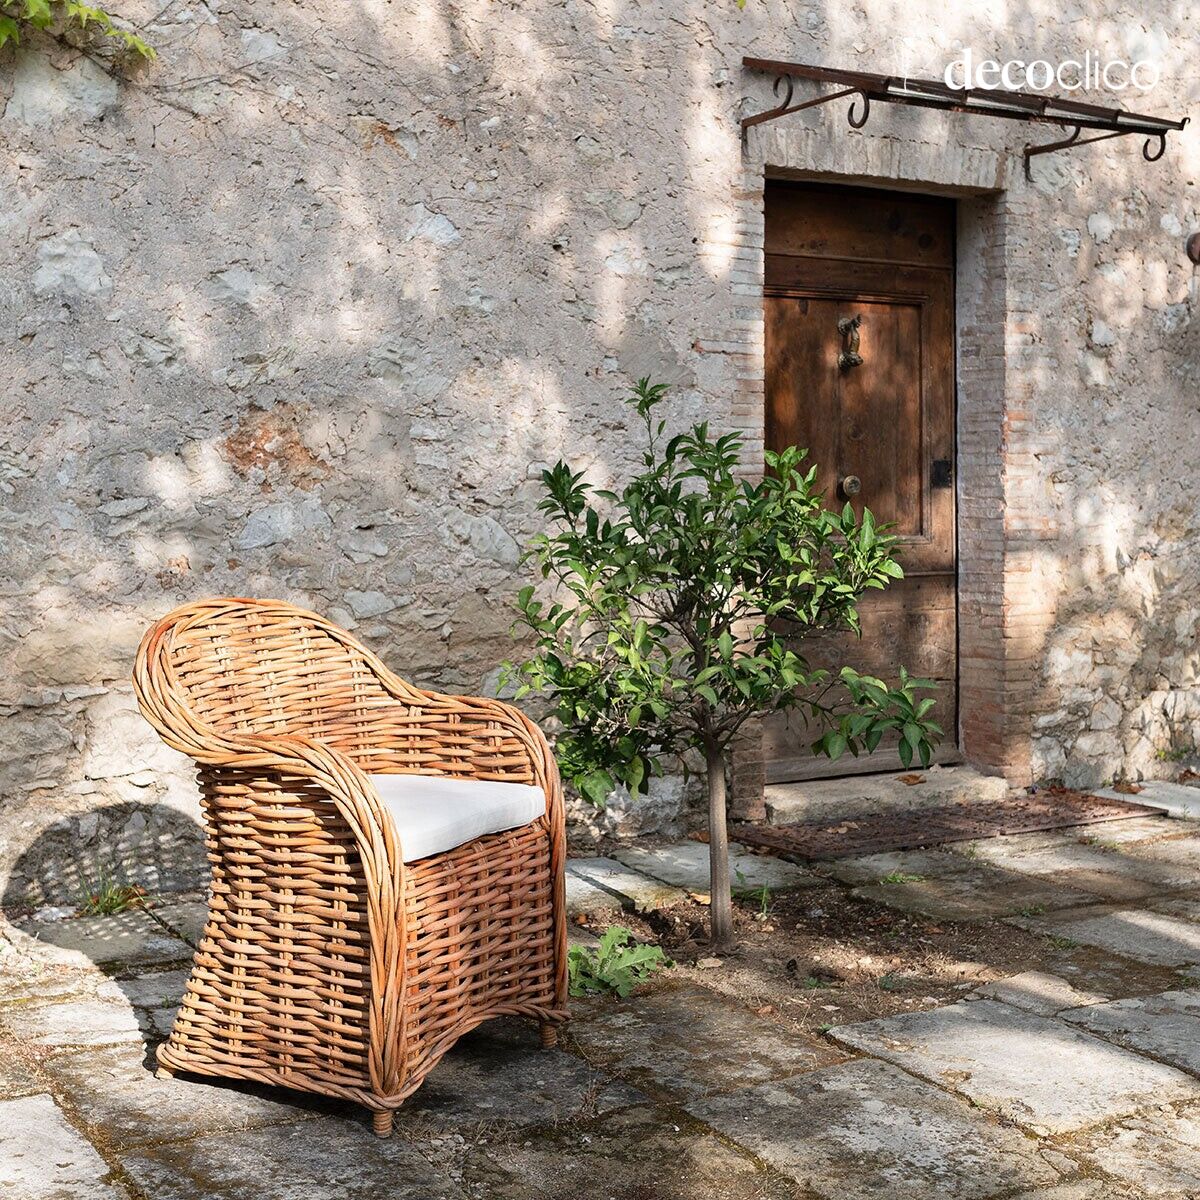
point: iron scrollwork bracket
(784, 83)
(857, 122)
(1157, 154)
(1158, 141)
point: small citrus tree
(680, 612)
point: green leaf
(37, 12)
(835, 745)
(596, 786)
(635, 774)
(10, 31)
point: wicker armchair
(329, 963)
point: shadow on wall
(152, 846)
(145, 949)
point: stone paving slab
(1036, 992)
(688, 1042)
(975, 894)
(124, 939)
(311, 1161)
(157, 995)
(993, 849)
(119, 1099)
(865, 1130)
(1116, 874)
(86, 1022)
(43, 1158)
(186, 918)
(1180, 853)
(871, 868)
(16, 1079)
(1166, 1026)
(631, 889)
(1121, 833)
(499, 1072)
(1044, 1074)
(584, 897)
(1154, 1156)
(24, 978)
(1081, 1189)
(1176, 799)
(685, 865)
(1158, 938)
(640, 1152)
(156, 989)
(1185, 906)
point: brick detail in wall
(746, 329)
(982, 377)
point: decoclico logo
(1070, 75)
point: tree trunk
(720, 910)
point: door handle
(851, 485)
(848, 328)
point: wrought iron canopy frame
(992, 102)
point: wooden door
(886, 423)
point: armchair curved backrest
(215, 673)
(242, 667)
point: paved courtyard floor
(1015, 1018)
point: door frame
(1001, 639)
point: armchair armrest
(355, 798)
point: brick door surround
(1001, 622)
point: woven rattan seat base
(327, 964)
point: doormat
(965, 821)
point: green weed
(617, 965)
(107, 895)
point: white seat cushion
(435, 813)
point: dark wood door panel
(835, 222)
(915, 627)
(879, 415)
(913, 623)
(887, 421)
(788, 758)
(802, 380)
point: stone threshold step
(1174, 799)
(870, 795)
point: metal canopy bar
(990, 102)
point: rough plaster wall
(1104, 502)
(302, 313)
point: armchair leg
(381, 1122)
(549, 1033)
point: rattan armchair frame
(327, 964)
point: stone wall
(303, 310)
